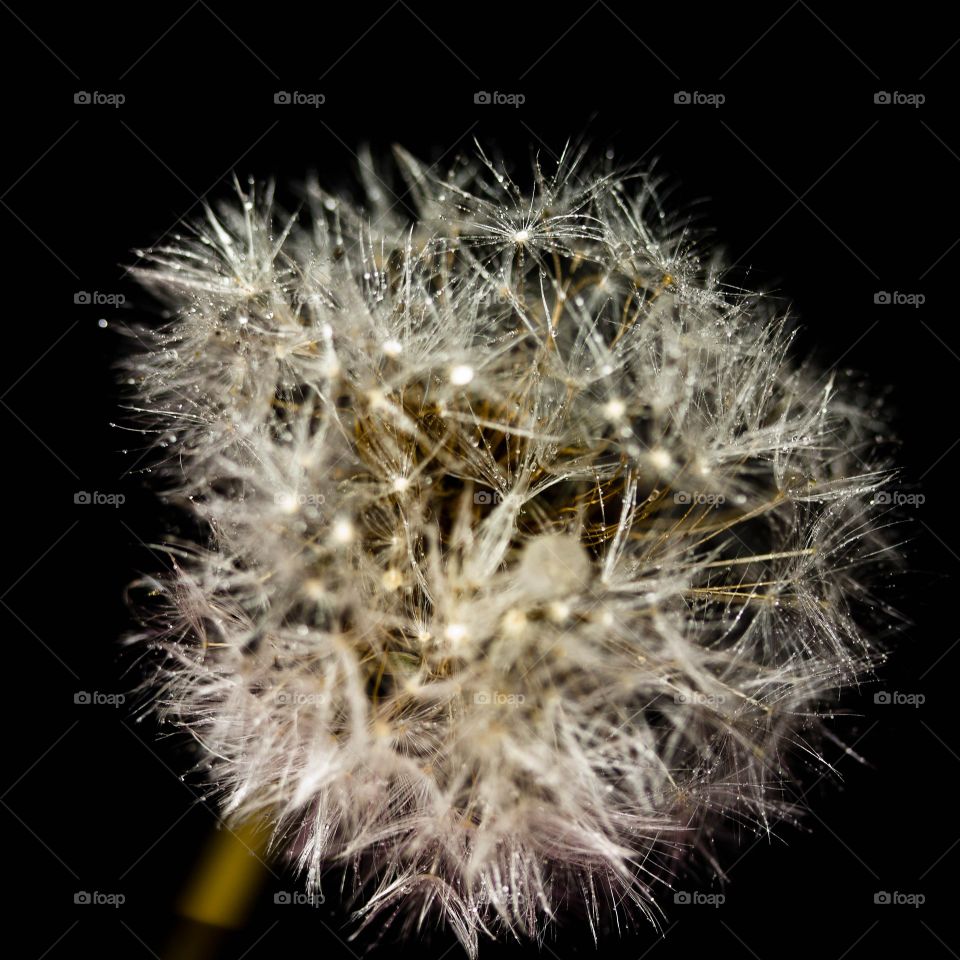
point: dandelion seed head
(532, 552)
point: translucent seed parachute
(527, 557)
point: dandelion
(531, 556)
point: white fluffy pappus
(532, 557)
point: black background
(825, 195)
